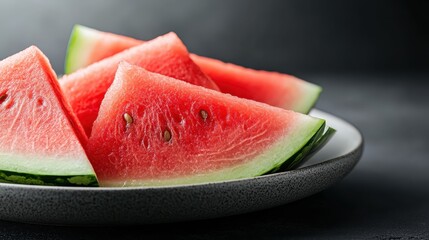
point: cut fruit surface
(276, 89)
(281, 90)
(166, 55)
(41, 139)
(153, 130)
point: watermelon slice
(276, 89)
(41, 139)
(153, 130)
(88, 46)
(166, 55)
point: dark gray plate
(100, 206)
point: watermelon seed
(3, 98)
(128, 118)
(167, 135)
(204, 115)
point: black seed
(167, 135)
(3, 98)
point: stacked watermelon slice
(135, 113)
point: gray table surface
(385, 197)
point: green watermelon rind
(300, 155)
(313, 146)
(313, 134)
(48, 180)
(310, 147)
(80, 40)
(321, 142)
(312, 93)
(46, 170)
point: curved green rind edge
(74, 59)
(323, 140)
(310, 93)
(316, 143)
(68, 63)
(49, 180)
(313, 100)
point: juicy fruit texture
(154, 130)
(276, 89)
(281, 90)
(41, 139)
(166, 55)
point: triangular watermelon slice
(41, 139)
(88, 46)
(153, 130)
(166, 55)
(276, 89)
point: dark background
(296, 37)
(371, 58)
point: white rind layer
(45, 165)
(311, 92)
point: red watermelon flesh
(41, 139)
(154, 130)
(166, 55)
(273, 88)
(281, 90)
